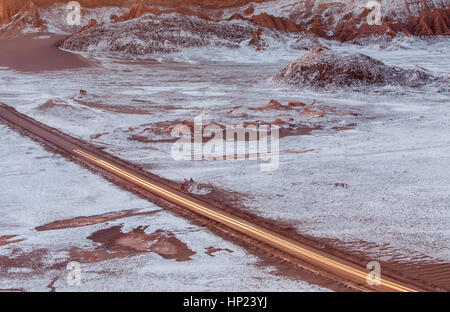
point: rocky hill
(152, 34)
(323, 68)
(344, 20)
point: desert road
(98, 160)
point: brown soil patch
(164, 129)
(273, 104)
(5, 240)
(33, 260)
(12, 290)
(172, 248)
(311, 113)
(98, 135)
(350, 126)
(127, 109)
(16, 53)
(116, 244)
(91, 220)
(210, 251)
(52, 104)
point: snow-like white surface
(395, 164)
(39, 187)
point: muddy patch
(155, 134)
(98, 135)
(6, 240)
(292, 119)
(53, 103)
(117, 244)
(25, 263)
(86, 221)
(15, 54)
(92, 101)
(12, 290)
(210, 251)
(350, 126)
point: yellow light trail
(241, 225)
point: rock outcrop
(9, 8)
(348, 20)
(152, 34)
(26, 16)
(323, 68)
(342, 20)
(436, 22)
(139, 9)
(277, 23)
(258, 41)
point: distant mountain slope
(347, 19)
(343, 20)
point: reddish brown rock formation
(257, 41)
(318, 28)
(350, 26)
(273, 104)
(9, 8)
(204, 4)
(20, 15)
(139, 9)
(296, 104)
(249, 10)
(323, 68)
(136, 11)
(165, 33)
(277, 23)
(91, 22)
(436, 22)
(312, 113)
(316, 19)
(429, 23)
(270, 21)
(348, 29)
